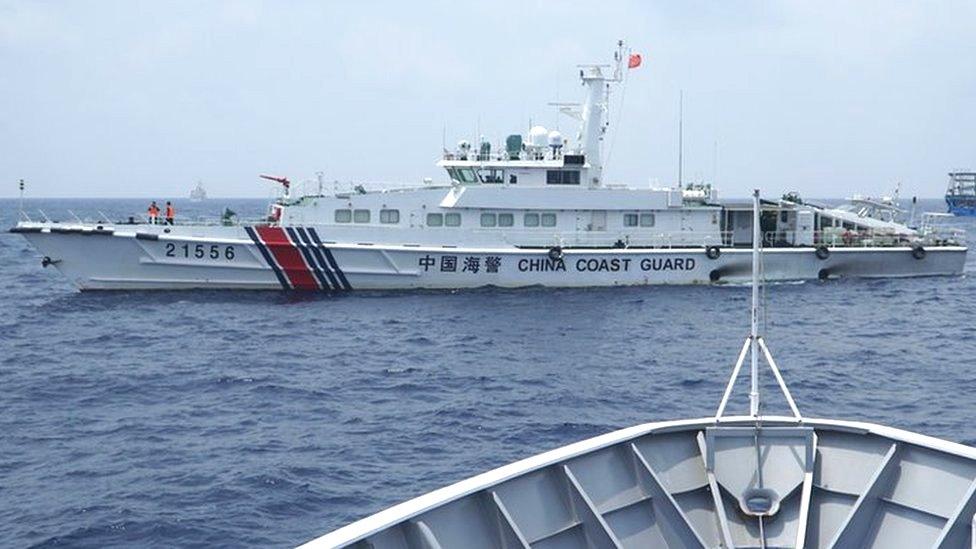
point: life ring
(918, 252)
(555, 253)
(822, 252)
(712, 252)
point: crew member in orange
(170, 213)
(153, 213)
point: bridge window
(489, 220)
(360, 216)
(630, 220)
(389, 216)
(506, 220)
(491, 175)
(548, 220)
(562, 177)
(646, 220)
(466, 175)
(435, 219)
(531, 220)
(343, 216)
(452, 220)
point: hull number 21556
(199, 251)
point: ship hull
(300, 259)
(961, 205)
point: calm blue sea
(266, 419)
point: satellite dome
(538, 136)
(555, 139)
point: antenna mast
(755, 343)
(21, 186)
(754, 328)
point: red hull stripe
(288, 257)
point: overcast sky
(113, 99)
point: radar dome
(555, 139)
(538, 136)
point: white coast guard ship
(537, 212)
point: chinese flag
(634, 61)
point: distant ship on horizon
(198, 193)
(961, 195)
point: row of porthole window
(493, 220)
(448, 219)
(362, 216)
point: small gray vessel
(722, 481)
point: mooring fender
(823, 274)
(822, 252)
(147, 236)
(25, 229)
(918, 252)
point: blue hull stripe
(267, 257)
(331, 258)
(304, 249)
(323, 264)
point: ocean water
(266, 419)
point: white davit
(533, 211)
(741, 481)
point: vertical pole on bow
(754, 332)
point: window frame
(489, 215)
(391, 217)
(548, 215)
(506, 215)
(648, 215)
(527, 216)
(434, 215)
(345, 212)
(452, 215)
(356, 216)
(631, 219)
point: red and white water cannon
(278, 179)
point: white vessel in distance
(198, 194)
(749, 481)
(536, 212)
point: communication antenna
(318, 175)
(681, 142)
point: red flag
(634, 61)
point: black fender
(555, 253)
(822, 252)
(712, 252)
(918, 252)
